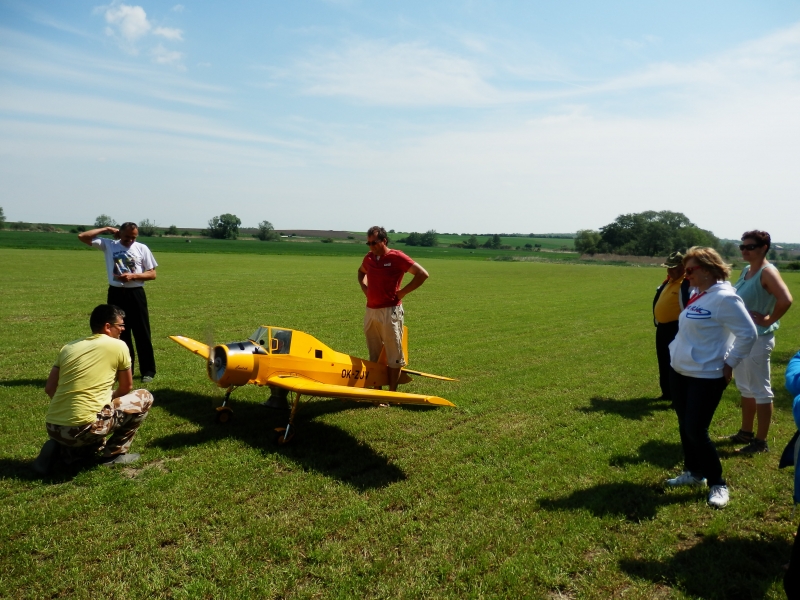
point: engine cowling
(234, 363)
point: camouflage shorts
(121, 419)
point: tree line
(648, 233)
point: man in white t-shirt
(129, 264)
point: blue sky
(454, 116)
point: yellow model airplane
(291, 361)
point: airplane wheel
(224, 414)
(281, 438)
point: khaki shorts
(383, 328)
(753, 373)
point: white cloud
(170, 33)
(162, 56)
(405, 74)
(178, 8)
(130, 21)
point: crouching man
(83, 407)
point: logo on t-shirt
(695, 312)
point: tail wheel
(224, 414)
(281, 438)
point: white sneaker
(718, 496)
(686, 478)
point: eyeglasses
(373, 243)
(690, 270)
(749, 246)
(118, 325)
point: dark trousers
(791, 581)
(695, 401)
(137, 322)
(665, 333)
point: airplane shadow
(632, 501)
(317, 446)
(713, 568)
(23, 382)
(653, 452)
(635, 409)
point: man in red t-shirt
(380, 275)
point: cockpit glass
(281, 341)
(261, 337)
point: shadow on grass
(718, 568)
(635, 409)
(634, 502)
(11, 468)
(317, 446)
(23, 382)
(653, 452)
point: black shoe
(119, 459)
(48, 455)
(757, 446)
(742, 437)
(664, 397)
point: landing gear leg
(225, 412)
(286, 434)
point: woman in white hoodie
(715, 334)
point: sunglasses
(373, 243)
(118, 325)
(690, 270)
(749, 246)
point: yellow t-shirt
(668, 307)
(87, 369)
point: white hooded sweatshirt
(713, 330)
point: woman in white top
(715, 333)
(767, 299)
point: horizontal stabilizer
(302, 385)
(193, 345)
(421, 374)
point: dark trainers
(48, 455)
(119, 459)
(742, 437)
(754, 447)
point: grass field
(544, 482)
(295, 247)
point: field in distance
(545, 481)
(298, 245)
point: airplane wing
(193, 345)
(296, 383)
(421, 374)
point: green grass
(544, 482)
(298, 247)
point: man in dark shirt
(380, 275)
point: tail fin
(405, 343)
(382, 360)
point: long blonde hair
(710, 260)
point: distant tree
(20, 225)
(172, 230)
(104, 221)
(391, 231)
(267, 233)
(528, 246)
(773, 254)
(429, 238)
(224, 227)
(728, 249)
(327, 240)
(493, 242)
(471, 243)
(147, 228)
(652, 233)
(587, 241)
(785, 255)
(412, 239)
(186, 233)
(2, 218)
